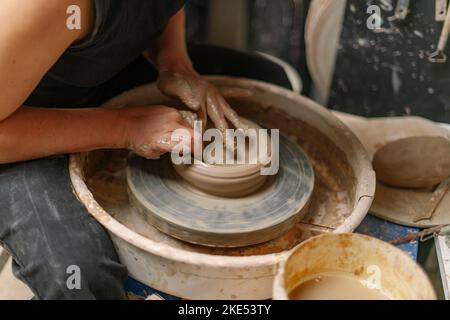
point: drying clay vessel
(415, 162)
(375, 133)
(322, 32)
(343, 192)
(427, 160)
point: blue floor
(387, 231)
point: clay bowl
(234, 180)
(370, 260)
(221, 180)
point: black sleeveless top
(123, 30)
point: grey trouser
(52, 237)
(44, 226)
(49, 233)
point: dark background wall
(273, 27)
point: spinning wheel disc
(184, 212)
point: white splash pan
(198, 275)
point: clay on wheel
(180, 210)
(226, 180)
(416, 162)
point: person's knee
(83, 274)
(83, 277)
(62, 251)
(97, 277)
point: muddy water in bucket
(335, 287)
(350, 267)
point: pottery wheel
(180, 210)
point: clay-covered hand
(203, 98)
(149, 131)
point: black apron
(122, 32)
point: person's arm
(38, 132)
(169, 52)
(33, 35)
(179, 79)
(31, 133)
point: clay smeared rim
(365, 191)
(280, 292)
(222, 171)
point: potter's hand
(149, 130)
(203, 98)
